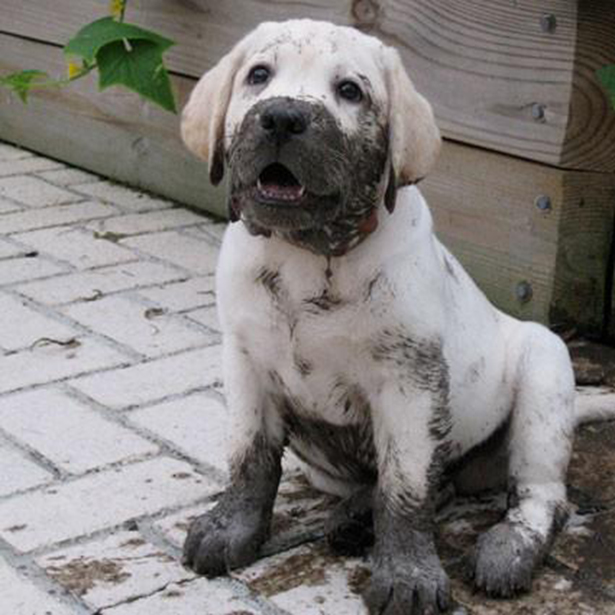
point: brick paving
(112, 424)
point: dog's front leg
(407, 576)
(231, 534)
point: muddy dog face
(318, 125)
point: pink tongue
(283, 193)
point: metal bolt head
(543, 202)
(538, 112)
(523, 291)
(548, 23)
(365, 12)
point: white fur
(427, 301)
(594, 404)
(497, 366)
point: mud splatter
(358, 579)
(298, 569)
(134, 543)
(16, 528)
(81, 575)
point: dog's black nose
(282, 119)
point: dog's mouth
(277, 184)
(281, 196)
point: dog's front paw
(227, 537)
(401, 587)
(504, 560)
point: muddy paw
(350, 528)
(403, 588)
(226, 537)
(505, 559)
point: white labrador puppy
(353, 336)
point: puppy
(352, 335)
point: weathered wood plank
(484, 203)
(499, 73)
(493, 213)
(112, 133)
(590, 133)
(585, 236)
(609, 325)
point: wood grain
(485, 209)
(589, 142)
(484, 64)
(585, 240)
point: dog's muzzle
(295, 172)
(282, 120)
(286, 165)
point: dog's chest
(316, 335)
(323, 342)
(310, 347)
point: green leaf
(606, 75)
(93, 37)
(22, 82)
(139, 67)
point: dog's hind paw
(350, 528)
(504, 561)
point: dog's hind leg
(541, 434)
(350, 528)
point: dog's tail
(594, 404)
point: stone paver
(13, 152)
(27, 268)
(21, 597)
(26, 165)
(39, 326)
(10, 250)
(67, 176)
(148, 222)
(63, 215)
(35, 192)
(154, 380)
(17, 472)
(73, 436)
(82, 250)
(147, 330)
(118, 568)
(82, 506)
(210, 597)
(310, 581)
(182, 250)
(207, 316)
(49, 361)
(95, 284)
(131, 200)
(193, 293)
(112, 429)
(9, 206)
(196, 425)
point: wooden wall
(512, 84)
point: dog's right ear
(202, 122)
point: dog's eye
(258, 75)
(350, 91)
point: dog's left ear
(414, 138)
(202, 123)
